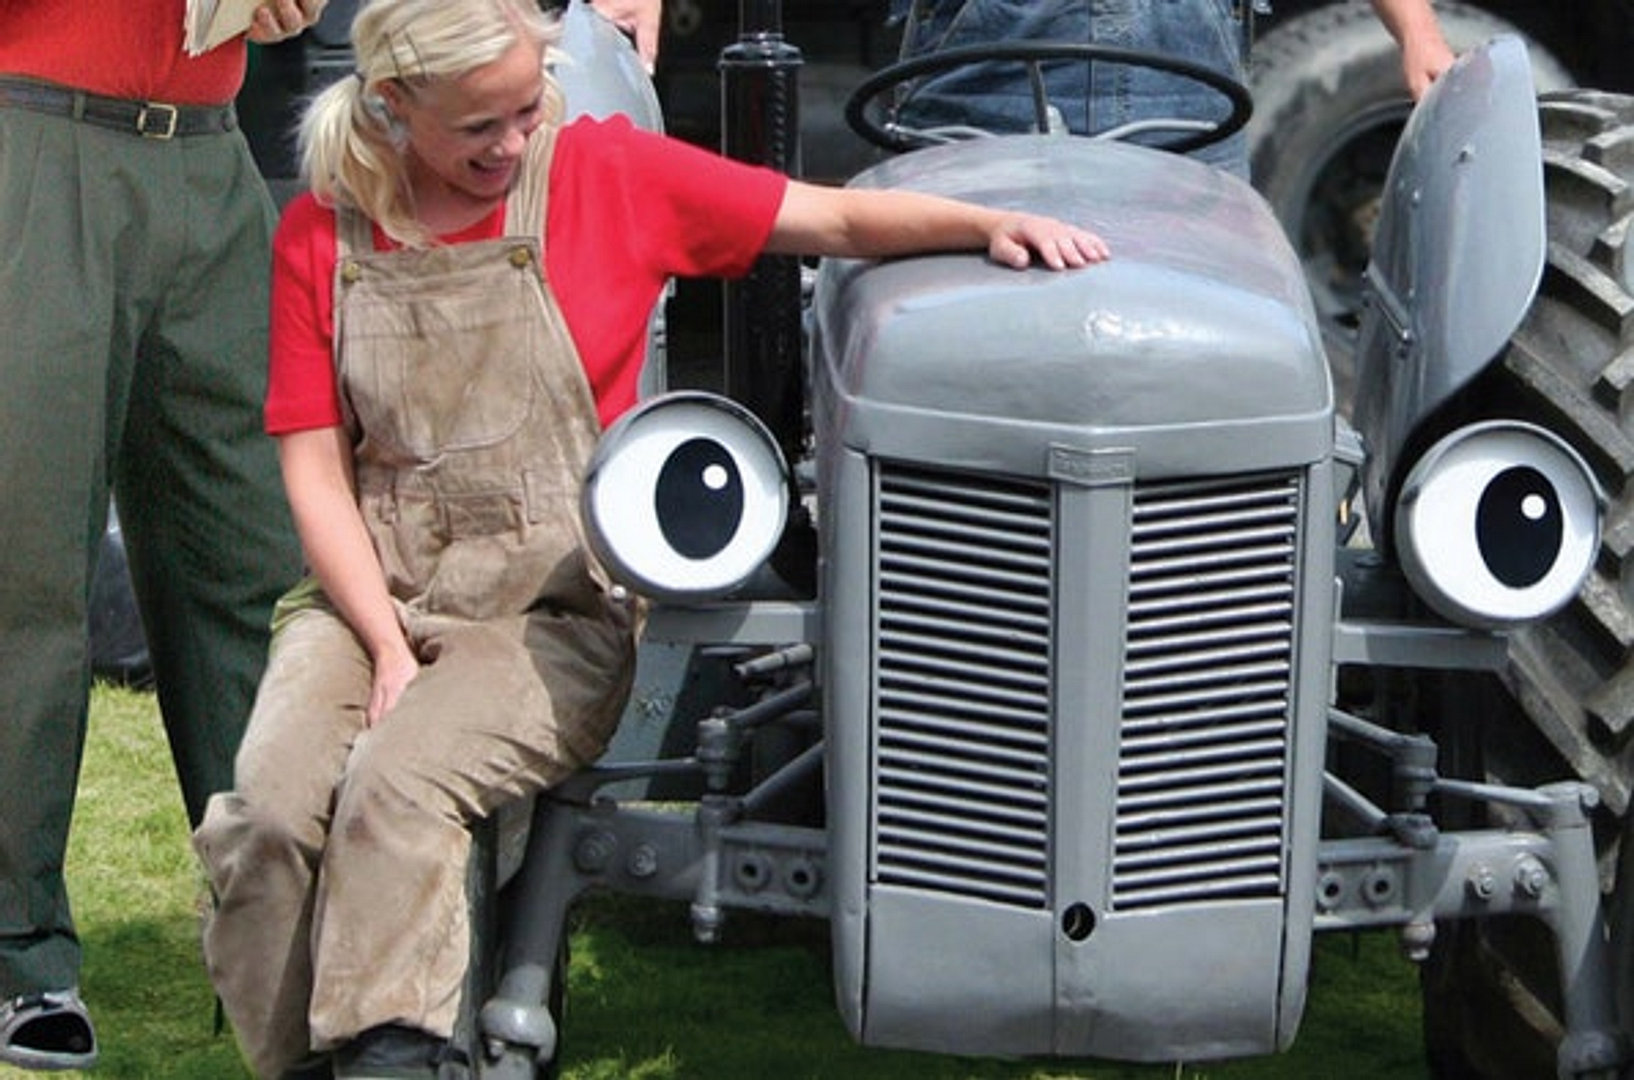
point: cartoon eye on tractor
(1062, 639)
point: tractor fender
(1457, 257)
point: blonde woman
(459, 304)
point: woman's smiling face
(466, 135)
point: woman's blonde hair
(351, 147)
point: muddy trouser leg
(263, 842)
(478, 727)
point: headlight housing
(1498, 524)
(686, 496)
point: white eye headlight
(1498, 524)
(686, 496)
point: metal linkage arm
(1549, 874)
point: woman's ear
(391, 96)
(385, 104)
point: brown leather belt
(149, 119)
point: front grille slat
(963, 684)
(894, 755)
(952, 746)
(1237, 814)
(1255, 583)
(1001, 816)
(1181, 571)
(1191, 802)
(1176, 659)
(1176, 705)
(1179, 676)
(1137, 727)
(971, 647)
(1212, 850)
(963, 730)
(1179, 737)
(932, 613)
(950, 687)
(934, 824)
(972, 882)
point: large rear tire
(1329, 104)
(1565, 705)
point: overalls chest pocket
(439, 363)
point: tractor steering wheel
(890, 135)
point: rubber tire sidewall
(1563, 706)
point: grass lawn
(644, 1002)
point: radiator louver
(966, 595)
(1207, 692)
(963, 652)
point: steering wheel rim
(1035, 52)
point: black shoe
(390, 1052)
(311, 1067)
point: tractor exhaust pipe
(760, 124)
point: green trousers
(133, 316)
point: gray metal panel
(1458, 254)
(848, 700)
(1182, 984)
(1200, 322)
(1092, 601)
(958, 976)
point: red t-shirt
(123, 48)
(628, 210)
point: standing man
(1101, 96)
(134, 253)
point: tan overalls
(339, 861)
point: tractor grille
(963, 721)
(966, 581)
(1207, 692)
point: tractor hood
(1201, 320)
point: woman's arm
(860, 223)
(317, 468)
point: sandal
(47, 1031)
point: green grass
(644, 1002)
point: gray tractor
(1059, 638)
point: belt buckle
(156, 120)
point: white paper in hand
(211, 22)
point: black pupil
(1518, 526)
(699, 499)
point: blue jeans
(1091, 97)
